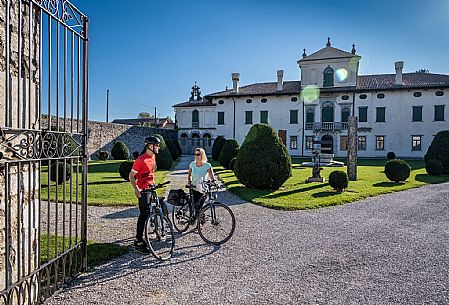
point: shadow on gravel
(128, 213)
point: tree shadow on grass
(325, 194)
(104, 168)
(386, 184)
(297, 190)
(432, 179)
(107, 182)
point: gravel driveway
(390, 249)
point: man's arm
(132, 179)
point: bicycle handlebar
(155, 187)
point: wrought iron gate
(43, 155)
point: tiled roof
(327, 53)
(195, 104)
(160, 121)
(289, 87)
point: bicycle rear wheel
(181, 217)
(216, 223)
(159, 236)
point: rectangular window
(380, 142)
(416, 142)
(220, 118)
(417, 114)
(361, 143)
(380, 114)
(293, 116)
(309, 142)
(363, 114)
(439, 113)
(293, 142)
(264, 116)
(343, 143)
(248, 117)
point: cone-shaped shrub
(263, 161)
(120, 151)
(217, 147)
(163, 158)
(338, 180)
(232, 163)
(172, 149)
(178, 147)
(229, 151)
(125, 169)
(397, 170)
(434, 167)
(439, 150)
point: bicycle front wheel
(216, 223)
(181, 217)
(159, 236)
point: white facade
(226, 113)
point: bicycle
(159, 233)
(215, 221)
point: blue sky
(150, 53)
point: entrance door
(327, 144)
(282, 134)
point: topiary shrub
(229, 151)
(217, 147)
(391, 155)
(232, 164)
(263, 161)
(178, 147)
(136, 155)
(172, 149)
(125, 169)
(163, 158)
(439, 150)
(120, 151)
(434, 167)
(338, 180)
(59, 179)
(102, 155)
(397, 170)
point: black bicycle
(159, 233)
(215, 221)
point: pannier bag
(176, 197)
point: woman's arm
(189, 176)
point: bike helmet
(152, 140)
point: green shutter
(439, 113)
(293, 116)
(380, 114)
(327, 114)
(310, 117)
(363, 114)
(264, 117)
(220, 118)
(417, 113)
(345, 115)
(248, 117)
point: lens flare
(310, 93)
(341, 74)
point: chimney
(280, 74)
(398, 66)
(235, 82)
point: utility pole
(155, 122)
(107, 106)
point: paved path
(390, 249)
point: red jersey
(145, 166)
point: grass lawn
(296, 194)
(105, 186)
(97, 253)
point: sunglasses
(197, 155)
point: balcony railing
(327, 126)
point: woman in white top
(199, 169)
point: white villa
(398, 112)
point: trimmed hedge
(217, 147)
(163, 158)
(263, 161)
(60, 178)
(102, 155)
(434, 167)
(338, 180)
(229, 151)
(178, 147)
(172, 149)
(439, 150)
(125, 169)
(120, 151)
(397, 170)
(232, 164)
(391, 155)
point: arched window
(310, 115)
(328, 77)
(327, 112)
(344, 114)
(195, 119)
(195, 140)
(184, 139)
(207, 140)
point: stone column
(352, 148)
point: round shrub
(102, 155)
(120, 151)
(338, 180)
(125, 169)
(217, 147)
(434, 167)
(263, 161)
(163, 158)
(136, 155)
(229, 151)
(172, 149)
(397, 170)
(391, 155)
(232, 163)
(439, 150)
(59, 179)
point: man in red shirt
(142, 177)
